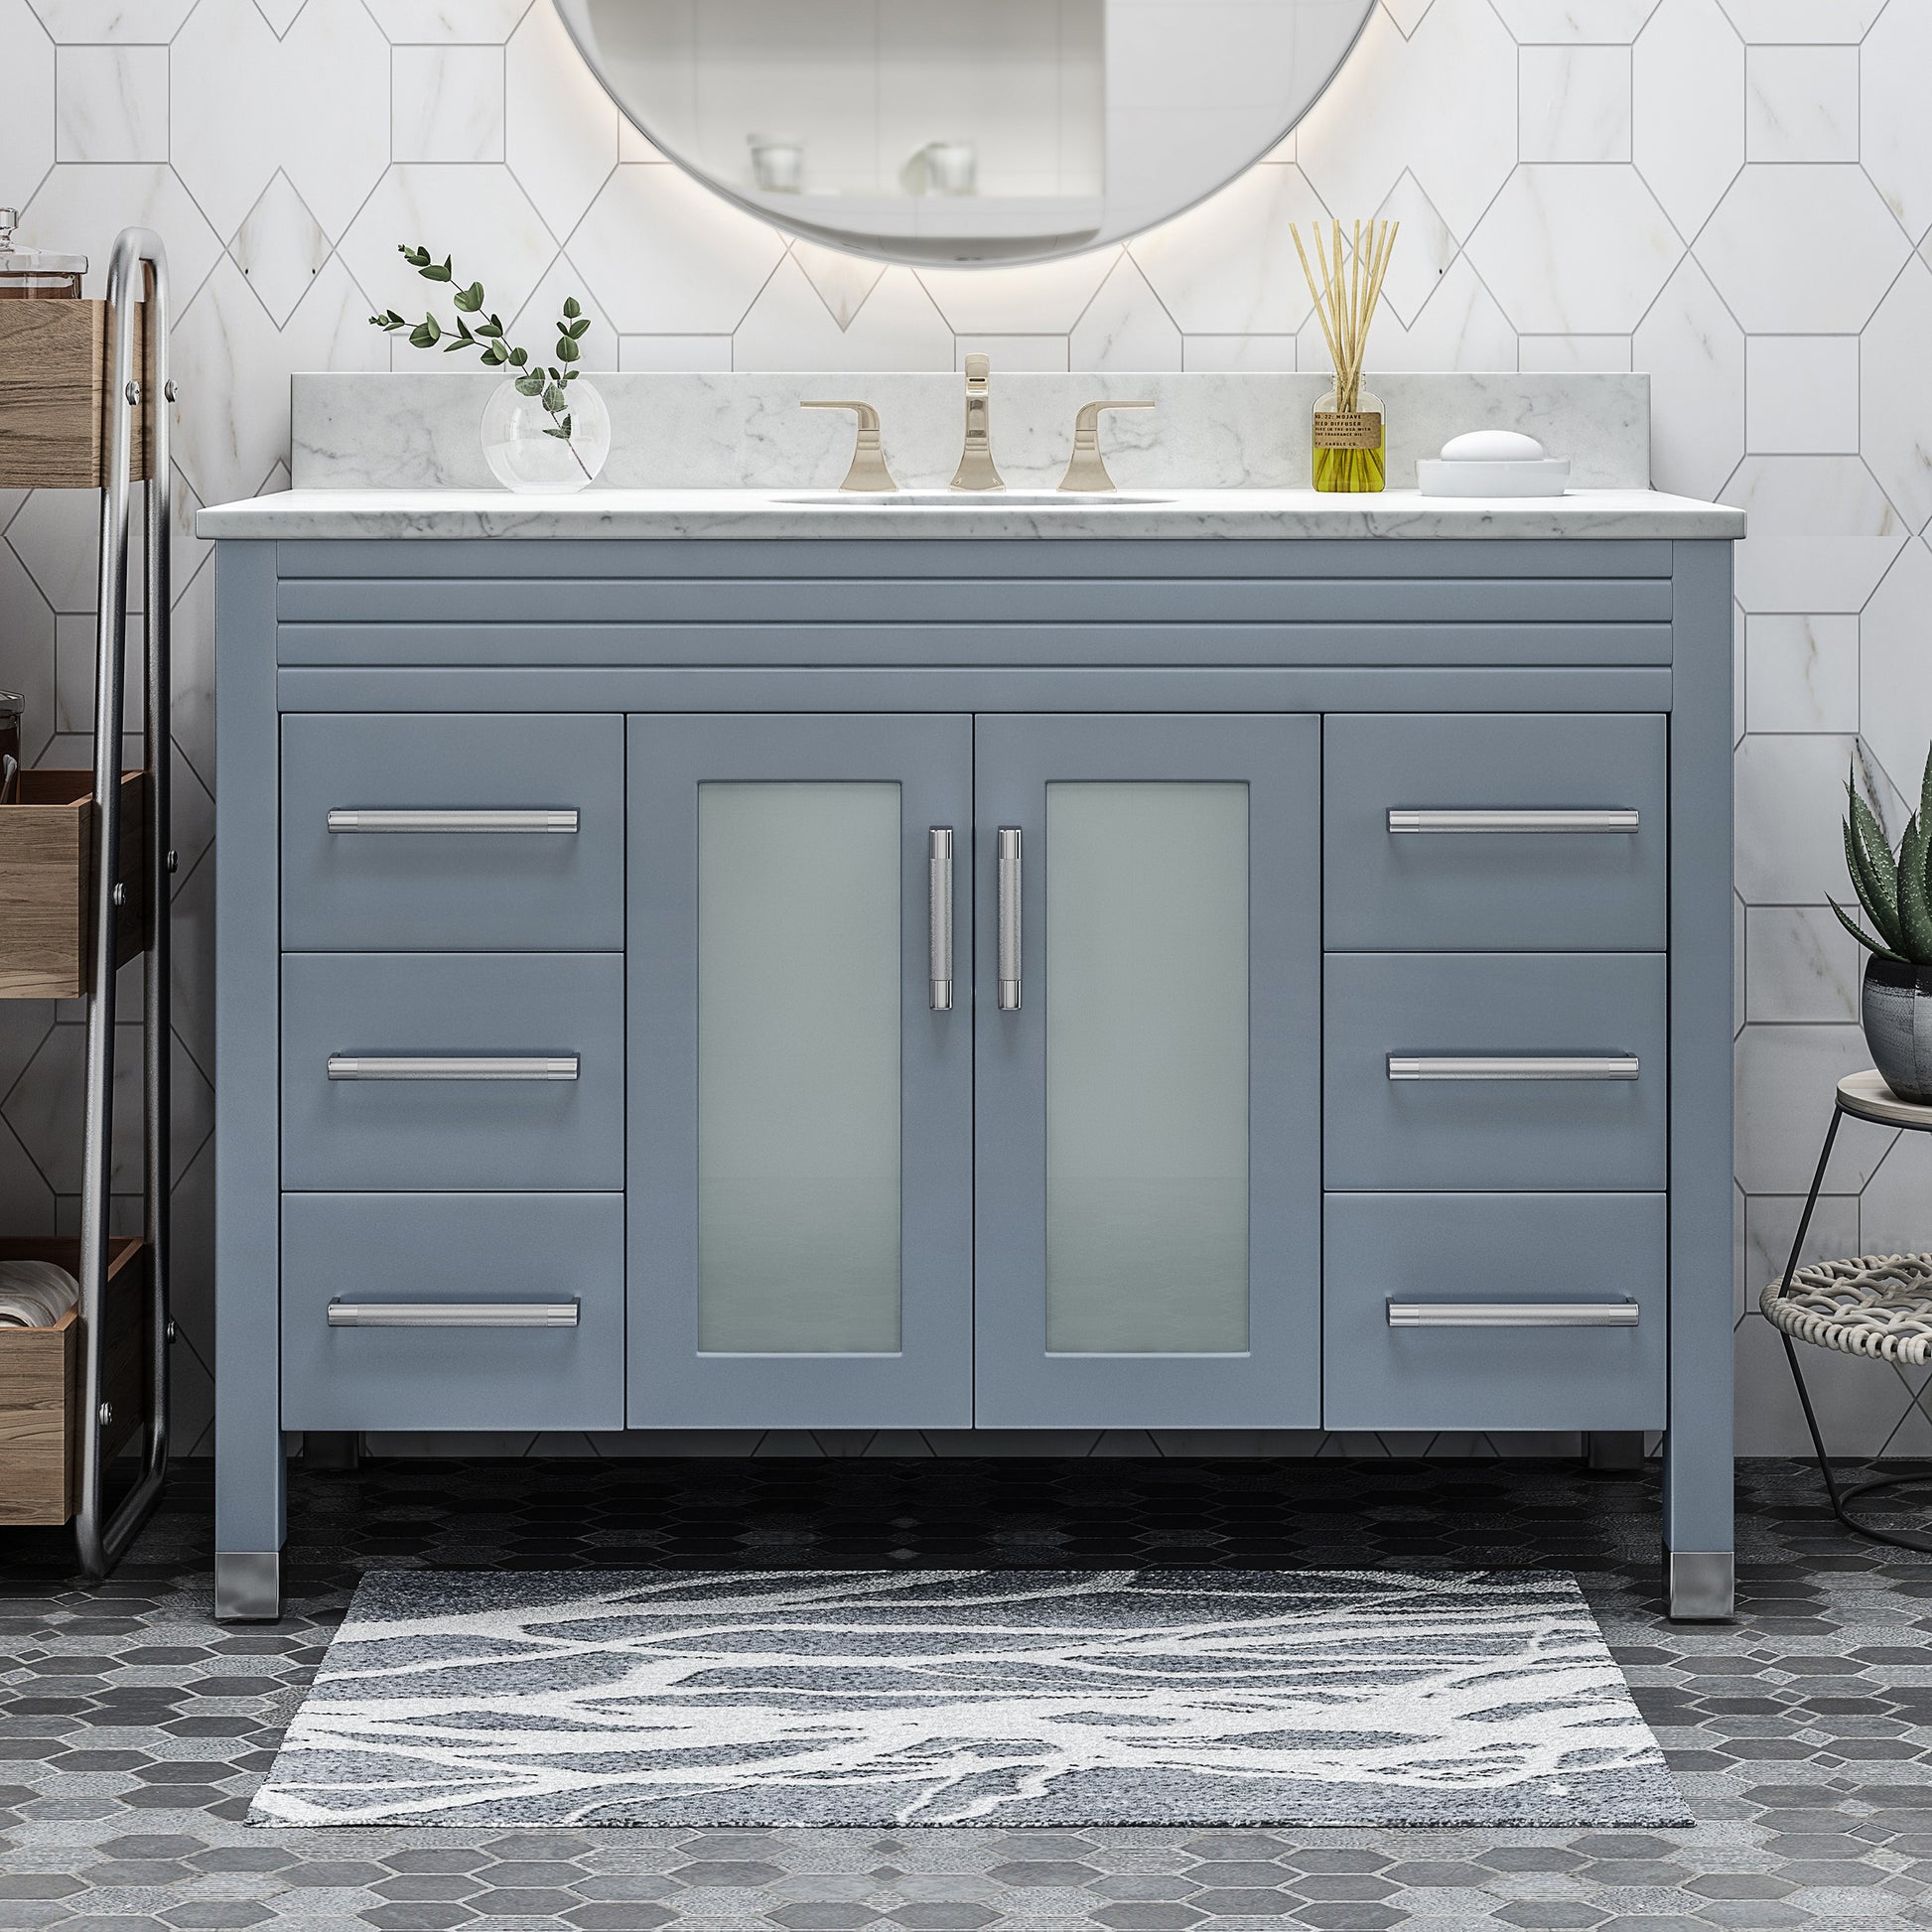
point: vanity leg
(1615, 1448)
(1698, 1567)
(250, 1521)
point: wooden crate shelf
(41, 1385)
(47, 874)
(56, 362)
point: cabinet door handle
(359, 820)
(1514, 1066)
(450, 1066)
(938, 870)
(1009, 918)
(1512, 821)
(453, 1314)
(1513, 1314)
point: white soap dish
(1492, 463)
(1542, 477)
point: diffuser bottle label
(1347, 429)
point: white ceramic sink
(968, 500)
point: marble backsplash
(722, 431)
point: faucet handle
(868, 471)
(1085, 469)
(979, 369)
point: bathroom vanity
(728, 959)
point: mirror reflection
(965, 130)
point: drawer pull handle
(1512, 821)
(1009, 941)
(1514, 1066)
(362, 1066)
(1513, 1314)
(938, 886)
(437, 821)
(453, 1314)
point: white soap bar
(1492, 446)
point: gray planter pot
(1898, 1027)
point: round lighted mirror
(965, 130)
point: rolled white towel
(34, 1294)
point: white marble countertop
(1180, 513)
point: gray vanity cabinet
(946, 984)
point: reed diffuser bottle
(1350, 437)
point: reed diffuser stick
(1347, 294)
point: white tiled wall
(1734, 195)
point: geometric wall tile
(1802, 250)
(1125, 327)
(535, 325)
(843, 281)
(1441, 105)
(476, 215)
(1228, 266)
(234, 86)
(112, 105)
(280, 248)
(1895, 129)
(1801, 965)
(1895, 1209)
(1695, 354)
(1801, 20)
(1790, 803)
(77, 22)
(1894, 429)
(1524, 249)
(1045, 296)
(1575, 103)
(1687, 137)
(79, 209)
(1822, 532)
(1786, 1076)
(559, 133)
(1802, 103)
(27, 651)
(665, 255)
(447, 103)
(448, 20)
(1459, 326)
(790, 327)
(1895, 668)
(1801, 672)
(1424, 249)
(1580, 21)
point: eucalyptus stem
(549, 384)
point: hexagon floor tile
(132, 1729)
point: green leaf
(1881, 911)
(520, 358)
(1863, 937)
(427, 333)
(438, 271)
(494, 356)
(415, 257)
(566, 350)
(493, 326)
(577, 330)
(529, 385)
(562, 435)
(553, 398)
(1914, 904)
(1872, 867)
(470, 300)
(573, 308)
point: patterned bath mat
(969, 1697)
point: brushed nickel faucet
(976, 469)
(1087, 469)
(868, 471)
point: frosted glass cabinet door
(800, 1171)
(1148, 1206)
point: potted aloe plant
(1895, 892)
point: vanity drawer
(418, 1312)
(453, 1070)
(1494, 1070)
(1463, 862)
(463, 831)
(1494, 1311)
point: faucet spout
(976, 468)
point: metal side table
(1878, 1306)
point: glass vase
(1350, 443)
(524, 450)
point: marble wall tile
(1895, 131)
(1524, 253)
(1800, 964)
(1800, 104)
(1822, 532)
(1125, 326)
(1803, 22)
(1573, 103)
(1895, 668)
(1567, 22)
(1896, 393)
(1751, 249)
(1687, 108)
(1785, 1079)
(446, 103)
(72, 22)
(111, 103)
(1802, 394)
(1790, 810)
(1895, 1209)
(280, 248)
(1801, 673)
(1694, 349)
